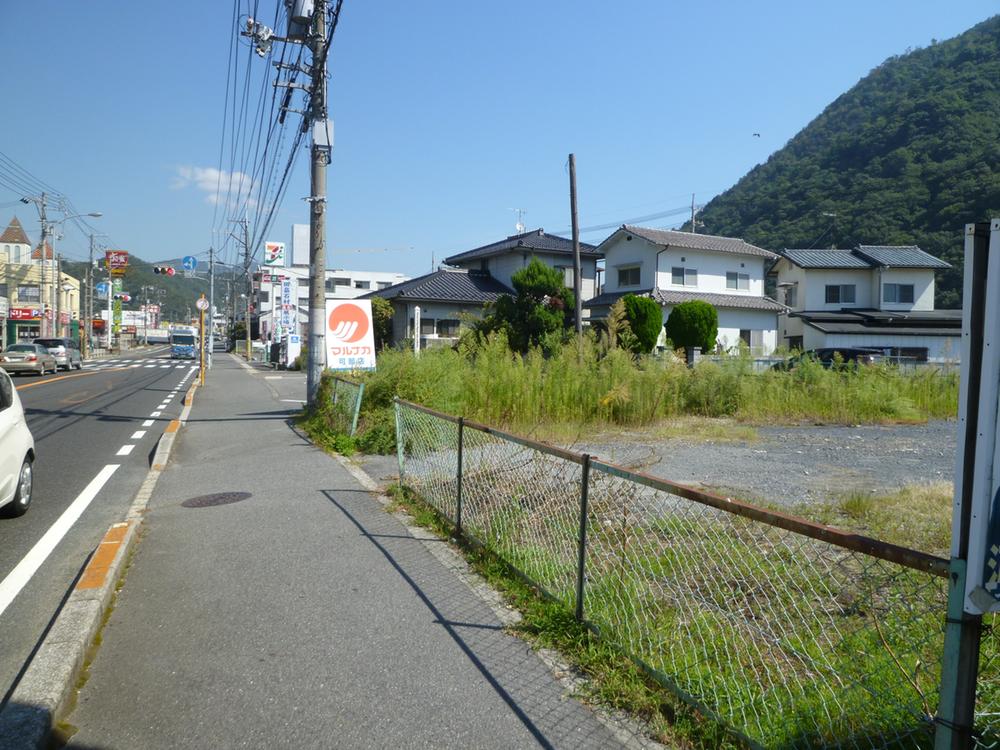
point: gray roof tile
(533, 240)
(447, 285)
(900, 256)
(825, 259)
(697, 241)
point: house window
(840, 294)
(737, 280)
(427, 327)
(28, 294)
(792, 295)
(340, 281)
(264, 297)
(683, 276)
(362, 285)
(628, 276)
(902, 293)
(447, 328)
(753, 339)
(567, 273)
(383, 284)
(3, 289)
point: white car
(17, 452)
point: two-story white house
(874, 296)
(672, 267)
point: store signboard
(350, 338)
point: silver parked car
(66, 351)
(27, 358)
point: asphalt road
(83, 423)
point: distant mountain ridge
(908, 155)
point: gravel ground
(785, 465)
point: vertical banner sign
(350, 336)
(116, 312)
(117, 285)
(274, 253)
(982, 585)
(289, 316)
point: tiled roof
(697, 241)
(609, 298)
(825, 259)
(737, 301)
(866, 256)
(669, 297)
(533, 240)
(14, 233)
(900, 256)
(36, 254)
(463, 286)
(882, 322)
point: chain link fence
(789, 633)
(345, 404)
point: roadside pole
(57, 313)
(577, 281)
(201, 304)
(211, 305)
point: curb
(47, 690)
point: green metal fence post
(581, 562)
(399, 439)
(959, 666)
(458, 492)
(357, 409)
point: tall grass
(595, 388)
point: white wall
(813, 297)
(503, 267)
(923, 287)
(732, 321)
(712, 267)
(403, 313)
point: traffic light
(165, 270)
(123, 297)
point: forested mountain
(909, 155)
(178, 293)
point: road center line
(125, 450)
(155, 413)
(16, 580)
(138, 435)
(148, 423)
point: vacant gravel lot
(786, 465)
(792, 465)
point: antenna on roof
(519, 227)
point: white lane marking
(138, 435)
(16, 580)
(163, 367)
(294, 400)
(274, 377)
(148, 423)
(148, 366)
(135, 365)
(125, 450)
(155, 413)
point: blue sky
(448, 114)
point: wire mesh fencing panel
(987, 733)
(345, 402)
(790, 640)
(791, 634)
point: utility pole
(577, 281)
(694, 225)
(211, 304)
(88, 308)
(246, 270)
(44, 327)
(57, 315)
(320, 154)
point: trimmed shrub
(644, 318)
(693, 323)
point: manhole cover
(218, 498)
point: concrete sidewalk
(303, 615)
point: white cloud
(217, 184)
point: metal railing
(345, 400)
(790, 633)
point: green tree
(540, 313)
(693, 323)
(382, 320)
(645, 318)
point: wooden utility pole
(577, 282)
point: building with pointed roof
(15, 247)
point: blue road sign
(102, 289)
(189, 262)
